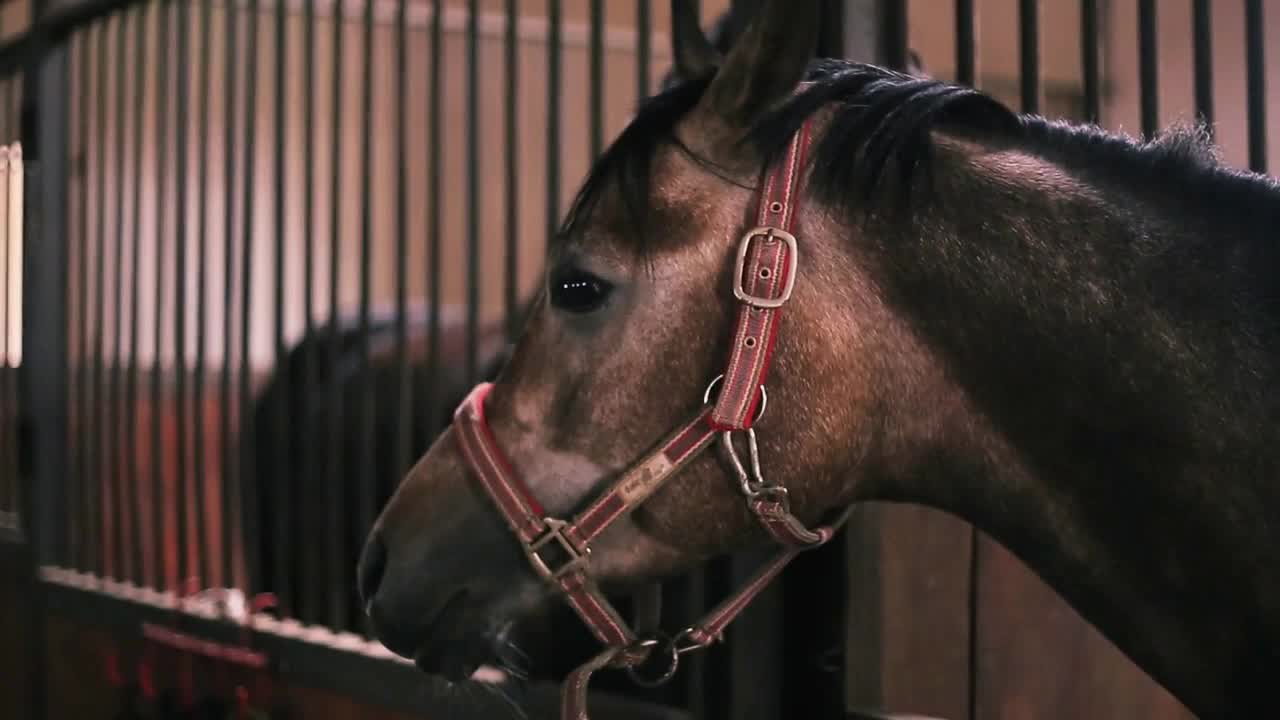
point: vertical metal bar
(1090, 65)
(8, 413)
(893, 17)
(312, 569)
(1029, 54)
(512, 197)
(84, 399)
(14, 249)
(282, 482)
(99, 352)
(966, 56)
(180, 289)
(596, 97)
(248, 469)
(11, 495)
(11, 119)
(974, 599)
(966, 74)
(1256, 81)
(7, 125)
(644, 42)
(400, 454)
(1147, 69)
(116, 428)
(202, 294)
(336, 537)
(366, 503)
(435, 153)
(136, 542)
(5, 131)
(554, 12)
(43, 395)
(1202, 40)
(14, 245)
(158, 494)
(473, 189)
(229, 468)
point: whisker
(516, 666)
(515, 672)
(509, 645)
(501, 693)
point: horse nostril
(372, 565)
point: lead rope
(709, 630)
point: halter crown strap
(764, 276)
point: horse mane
(881, 119)
(880, 123)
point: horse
(1067, 337)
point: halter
(558, 549)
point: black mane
(882, 118)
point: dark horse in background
(322, 518)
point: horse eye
(578, 291)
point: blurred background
(255, 251)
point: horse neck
(1106, 416)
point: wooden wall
(14, 680)
(931, 633)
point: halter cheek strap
(765, 270)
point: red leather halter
(765, 273)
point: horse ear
(916, 66)
(767, 61)
(693, 52)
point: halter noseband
(764, 275)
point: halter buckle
(770, 233)
(555, 531)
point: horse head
(620, 348)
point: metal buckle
(766, 231)
(555, 531)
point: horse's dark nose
(372, 566)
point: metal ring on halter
(776, 493)
(672, 652)
(686, 635)
(764, 396)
